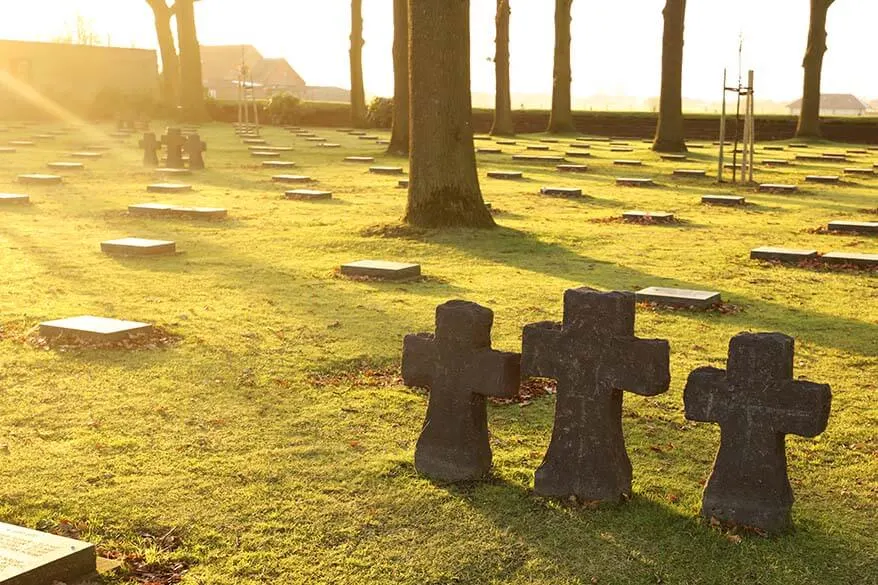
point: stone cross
(174, 141)
(594, 356)
(461, 369)
(150, 147)
(756, 403)
(195, 148)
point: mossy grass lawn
(273, 443)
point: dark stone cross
(756, 403)
(594, 356)
(150, 147)
(461, 369)
(195, 148)
(174, 142)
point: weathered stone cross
(756, 403)
(461, 369)
(150, 147)
(174, 141)
(195, 148)
(594, 356)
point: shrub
(283, 108)
(380, 114)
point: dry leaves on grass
(721, 308)
(157, 338)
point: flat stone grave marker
(89, 328)
(809, 157)
(254, 141)
(307, 195)
(733, 166)
(549, 140)
(859, 227)
(264, 154)
(381, 269)
(138, 247)
(507, 142)
(775, 148)
(168, 188)
(616, 143)
(537, 158)
(674, 157)
(788, 255)
(634, 182)
(775, 162)
(776, 188)
(367, 137)
(718, 143)
(328, 145)
(756, 402)
(723, 199)
(97, 147)
(488, 150)
(386, 170)
(691, 173)
(40, 179)
(7, 150)
(799, 145)
(461, 369)
(357, 133)
(21, 143)
(29, 557)
(172, 172)
(678, 297)
(654, 216)
(578, 154)
(403, 183)
(621, 149)
(481, 137)
(14, 199)
(857, 151)
(315, 139)
(596, 139)
(291, 179)
(561, 191)
(833, 158)
(86, 155)
(856, 259)
(628, 163)
(826, 179)
(594, 356)
(66, 166)
(579, 145)
(306, 134)
(43, 137)
(508, 175)
(359, 159)
(537, 147)
(860, 172)
(177, 211)
(834, 155)
(568, 168)
(278, 164)
(272, 148)
(696, 146)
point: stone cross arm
(641, 366)
(541, 348)
(788, 406)
(418, 359)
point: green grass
(274, 458)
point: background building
(834, 104)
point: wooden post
(722, 129)
(752, 117)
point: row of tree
(669, 135)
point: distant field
(273, 442)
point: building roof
(835, 101)
(873, 104)
(223, 62)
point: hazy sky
(616, 43)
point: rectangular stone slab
(86, 155)
(628, 163)
(561, 191)
(381, 269)
(177, 211)
(505, 174)
(40, 179)
(577, 154)
(866, 172)
(66, 166)
(488, 150)
(775, 162)
(138, 247)
(90, 328)
(307, 195)
(782, 254)
(264, 154)
(386, 170)
(723, 200)
(859, 227)
(678, 297)
(774, 148)
(403, 184)
(656, 216)
(677, 157)
(29, 557)
(537, 158)
(537, 147)
(634, 182)
(328, 145)
(572, 168)
(777, 188)
(291, 179)
(359, 159)
(856, 259)
(254, 141)
(168, 188)
(13, 199)
(822, 179)
(278, 164)
(690, 173)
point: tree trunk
(170, 62)
(561, 118)
(399, 135)
(669, 134)
(358, 92)
(192, 84)
(809, 117)
(503, 125)
(443, 184)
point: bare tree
(561, 118)
(399, 134)
(503, 125)
(443, 184)
(191, 82)
(358, 92)
(669, 134)
(809, 117)
(170, 61)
